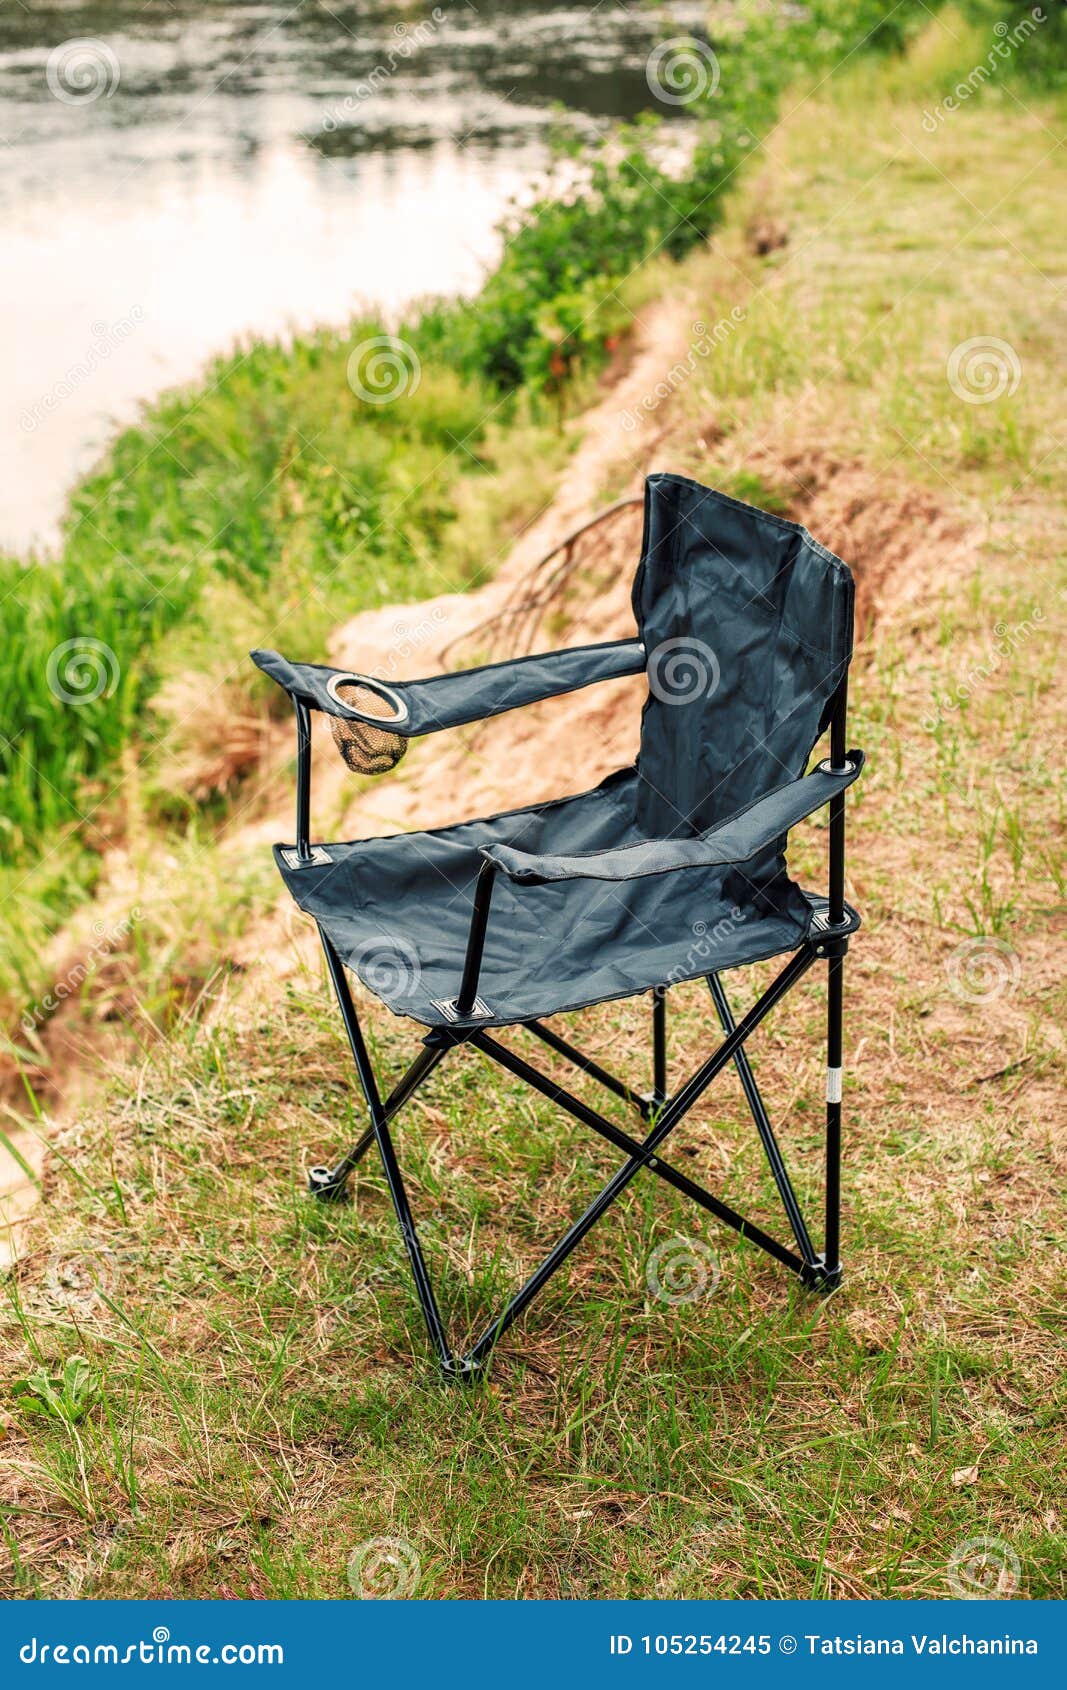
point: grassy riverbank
(257, 1415)
(296, 486)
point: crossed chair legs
(662, 1113)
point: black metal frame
(659, 1110)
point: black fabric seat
(398, 911)
(671, 870)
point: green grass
(279, 476)
(263, 509)
(267, 1405)
(260, 1405)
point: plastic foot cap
(462, 1369)
(327, 1185)
(818, 1277)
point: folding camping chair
(670, 870)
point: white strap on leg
(833, 1085)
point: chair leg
(380, 1129)
(643, 1103)
(774, 1156)
(465, 1368)
(669, 1117)
(831, 1266)
(607, 1129)
(831, 1260)
(329, 1184)
(659, 1046)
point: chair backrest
(747, 625)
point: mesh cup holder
(367, 749)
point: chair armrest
(451, 701)
(733, 841)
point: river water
(176, 176)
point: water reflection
(257, 168)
